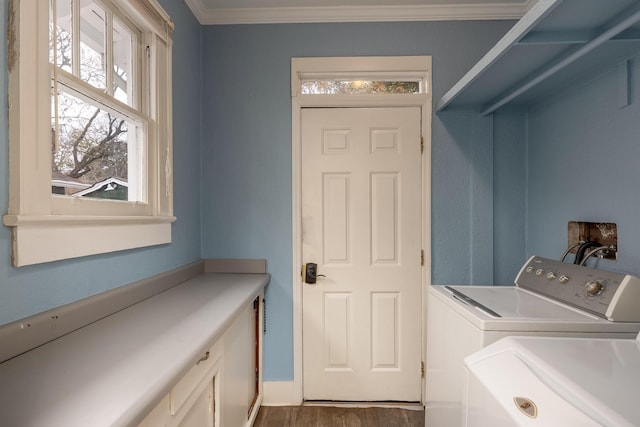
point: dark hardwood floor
(329, 416)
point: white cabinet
(239, 377)
(141, 361)
(202, 413)
(223, 388)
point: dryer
(549, 298)
(548, 382)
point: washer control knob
(594, 287)
(564, 279)
(551, 275)
(539, 272)
(529, 269)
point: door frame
(383, 67)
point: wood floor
(328, 416)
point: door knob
(310, 273)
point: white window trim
(387, 66)
(40, 233)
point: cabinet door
(240, 356)
(202, 413)
(159, 416)
(257, 347)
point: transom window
(358, 87)
(323, 81)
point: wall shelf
(553, 44)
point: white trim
(427, 114)
(304, 66)
(296, 207)
(43, 220)
(154, 14)
(198, 9)
(431, 12)
(91, 94)
(74, 239)
(390, 100)
(279, 393)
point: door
(361, 223)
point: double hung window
(97, 120)
(91, 133)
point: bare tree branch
(99, 149)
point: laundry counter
(116, 370)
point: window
(339, 86)
(91, 133)
(360, 81)
(95, 139)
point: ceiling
(222, 12)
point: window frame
(47, 227)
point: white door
(361, 223)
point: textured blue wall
(247, 150)
(462, 198)
(583, 161)
(509, 185)
(29, 290)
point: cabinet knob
(203, 358)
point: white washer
(548, 382)
(550, 298)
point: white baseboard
(280, 393)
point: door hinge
(421, 144)
(422, 369)
(264, 315)
(422, 258)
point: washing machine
(549, 298)
(549, 382)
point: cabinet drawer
(198, 374)
(158, 416)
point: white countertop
(114, 371)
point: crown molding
(434, 12)
(198, 9)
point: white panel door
(361, 223)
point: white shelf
(554, 43)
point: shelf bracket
(624, 84)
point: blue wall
(503, 186)
(509, 191)
(583, 165)
(246, 147)
(462, 198)
(29, 290)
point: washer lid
(523, 310)
(595, 377)
(510, 302)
